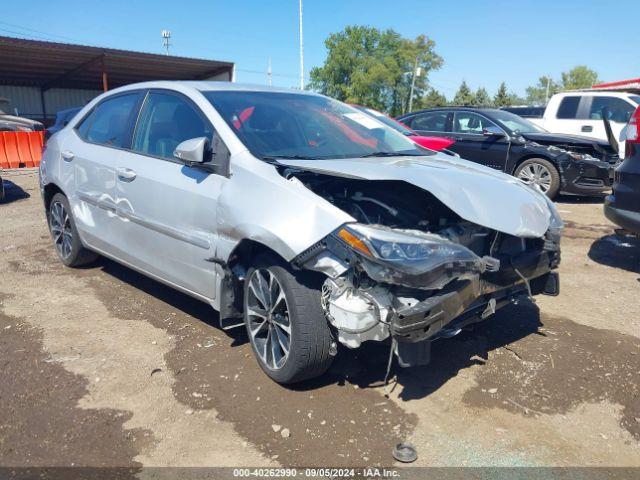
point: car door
(468, 131)
(90, 153)
(167, 209)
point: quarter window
(108, 123)
(619, 110)
(469, 122)
(568, 109)
(432, 122)
(165, 121)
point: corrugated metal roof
(49, 64)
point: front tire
(287, 328)
(64, 233)
(540, 174)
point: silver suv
(298, 216)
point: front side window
(470, 123)
(618, 109)
(108, 123)
(292, 125)
(432, 121)
(165, 121)
(568, 109)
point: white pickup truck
(580, 113)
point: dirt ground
(103, 367)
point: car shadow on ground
(12, 192)
(366, 366)
(580, 200)
(617, 252)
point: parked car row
(552, 163)
(304, 219)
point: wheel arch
(50, 189)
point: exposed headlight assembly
(390, 255)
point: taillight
(633, 133)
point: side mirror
(492, 131)
(193, 150)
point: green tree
(537, 94)
(579, 77)
(371, 67)
(482, 98)
(433, 98)
(464, 96)
(504, 98)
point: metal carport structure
(54, 76)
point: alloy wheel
(268, 318)
(536, 175)
(60, 225)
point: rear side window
(568, 108)
(108, 123)
(432, 121)
(471, 123)
(619, 110)
(165, 121)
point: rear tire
(298, 310)
(540, 174)
(64, 233)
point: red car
(432, 143)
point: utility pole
(269, 72)
(301, 45)
(416, 73)
(166, 35)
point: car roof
(208, 86)
(458, 107)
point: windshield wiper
(289, 157)
(389, 154)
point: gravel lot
(104, 367)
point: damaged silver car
(297, 216)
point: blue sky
(483, 42)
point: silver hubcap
(268, 318)
(536, 175)
(61, 229)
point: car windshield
(276, 125)
(635, 98)
(514, 123)
(389, 122)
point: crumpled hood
(564, 139)
(477, 194)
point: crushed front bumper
(470, 298)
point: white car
(580, 113)
(296, 215)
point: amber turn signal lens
(357, 244)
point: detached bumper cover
(624, 218)
(585, 177)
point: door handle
(126, 174)
(67, 155)
(587, 128)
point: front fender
(258, 203)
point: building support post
(105, 79)
(44, 105)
